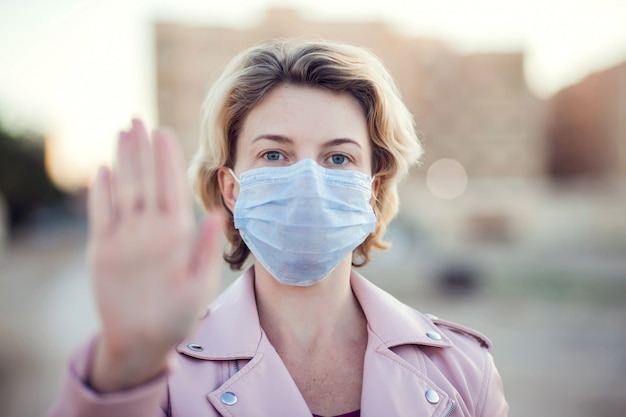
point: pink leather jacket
(414, 366)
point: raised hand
(152, 269)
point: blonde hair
(335, 67)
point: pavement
(560, 347)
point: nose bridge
(308, 150)
(309, 182)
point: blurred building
(586, 130)
(475, 109)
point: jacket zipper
(452, 408)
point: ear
(229, 187)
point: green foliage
(24, 182)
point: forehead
(306, 114)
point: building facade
(586, 128)
(476, 109)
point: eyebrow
(286, 139)
(341, 141)
(275, 138)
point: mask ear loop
(374, 195)
(234, 175)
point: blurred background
(515, 224)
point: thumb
(205, 258)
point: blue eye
(272, 155)
(338, 159)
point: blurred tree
(23, 178)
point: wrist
(117, 370)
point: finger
(206, 251)
(125, 181)
(144, 166)
(100, 204)
(171, 182)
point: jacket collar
(232, 321)
(231, 328)
(391, 385)
(393, 322)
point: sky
(78, 70)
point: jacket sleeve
(77, 399)
(491, 402)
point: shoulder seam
(480, 403)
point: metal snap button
(433, 335)
(432, 396)
(228, 398)
(195, 347)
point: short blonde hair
(335, 67)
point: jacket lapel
(394, 387)
(394, 374)
(263, 388)
(231, 330)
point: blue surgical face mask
(300, 221)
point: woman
(303, 145)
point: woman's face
(294, 123)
